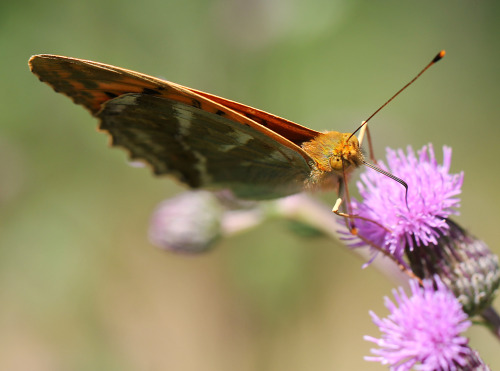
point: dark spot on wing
(220, 113)
(110, 95)
(259, 120)
(86, 94)
(196, 103)
(150, 91)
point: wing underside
(202, 149)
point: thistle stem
(492, 320)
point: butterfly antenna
(438, 57)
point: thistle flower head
(432, 197)
(422, 231)
(194, 220)
(422, 331)
(187, 223)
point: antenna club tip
(438, 57)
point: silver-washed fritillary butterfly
(201, 139)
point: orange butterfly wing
(282, 165)
(91, 84)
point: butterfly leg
(350, 225)
(342, 185)
(349, 221)
(365, 130)
(346, 206)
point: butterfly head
(347, 154)
(334, 153)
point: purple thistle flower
(422, 232)
(432, 197)
(423, 331)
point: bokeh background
(81, 288)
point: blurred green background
(81, 288)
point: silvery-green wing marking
(203, 149)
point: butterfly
(203, 140)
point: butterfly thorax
(335, 154)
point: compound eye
(336, 163)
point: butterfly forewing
(91, 84)
(295, 133)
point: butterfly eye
(336, 162)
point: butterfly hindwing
(203, 149)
